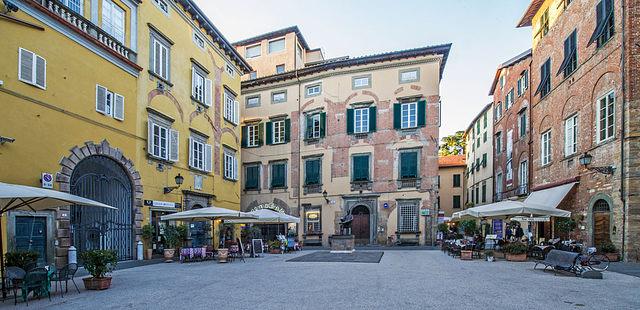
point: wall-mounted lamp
(179, 181)
(586, 160)
(325, 194)
(4, 140)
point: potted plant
(275, 247)
(147, 236)
(99, 263)
(489, 256)
(26, 260)
(171, 239)
(516, 252)
(610, 251)
(468, 227)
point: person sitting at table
(519, 233)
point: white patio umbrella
(266, 216)
(510, 208)
(21, 197)
(206, 214)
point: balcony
(85, 27)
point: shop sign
(161, 204)
(425, 212)
(47, 180)
(269, 206)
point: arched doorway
(103, 179)
(601, 222)
(360, 226)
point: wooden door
(601, 228)
(360, 224)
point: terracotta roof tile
(451, 161)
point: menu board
(497, 227)
(256, 247)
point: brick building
(584, 121)
(511, 98)
(325, 137)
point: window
(545, 146)
(312, 171)
(499, 186)
(484, 137)
(313, 90)
(545, 79)
(253, 75)
(200, 86)
(408, 165)
(160, 56)
(523, 174)
(198, 40)
(252, 51)
(252, 177)
(253, 135)
(278, 132)
(522, 123)
(200, 153)
(409, 115)
(230, 71)
(456, 202)
(571, 135)
(312, 219)
(484, 191)
(113, 20)
(279, 96)
(523, 82)
(498, 142)
(252, 101)
(484, 118)
(314, 125)
(498, 110)
(109, 103)
(276, 45)
(358, 82)
(279, 69)
(605, 26)
(231, 108)
(484, 160)
(544, 24)
(407, 217)
(570, 61)
(299, 53)
(278, 175)
(361, 120)
(409, 75)
(456, 180)
(32, 69)
(163, 5)
(74, 5)
(606, 117)
(508, 101)
(478, 142)
(230, 164)
(502, 81)
(162, 141)
(360, 171)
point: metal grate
(408, 217)
(601, 206)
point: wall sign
(269, 206)
(161, 204)
(47, 180)
(385, 205)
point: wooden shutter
(101, 101)
(41, 72)
(118, 107)
(208, 92)
(150, 137)
(245, 136)
(269, 133)
(193, 83)
(287, 130)
(174, 145)
(260, 134)
(422, 113)
(191, 158)
(235, 167)
(323, 124)
(236, 112)
(208, 157)
(309, 131)
(25, 69)
(350, 121)
(397, 124)
(600, 22)
(372, 119)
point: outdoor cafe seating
(37, 281)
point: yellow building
(451, 184)
(114, 99)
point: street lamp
(179, 180)
(586, 160)
(325, 194)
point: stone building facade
(346, 135)
(479, 182)
(511, 99)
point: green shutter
(372, 119)
(260, 134)
(422, 113)
(349, 121)
(277, 175)
(244, 136)
(312, 172)
(397, 116)
(408, 165)
(361, 168)
(287, 130)
(323, 124)
(309, 130)
(252, 178)
(269, 133)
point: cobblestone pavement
(402, 280)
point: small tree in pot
(610, 251)
(147, 236)
(516, 252)
(99, 263)
(171, 240)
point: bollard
(72, 255)
(140, 255)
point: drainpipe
(623, 134)
(295, 68)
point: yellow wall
(555, 7)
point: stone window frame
(156, 36)
(249, 97)
(418, 151)
(544, 162)
(246, 51)
(370, 174)
(229, 153)
(307, 87)
(311, 158)
(414, 203)
(284, 45)
(576, 131)
(309, 209)
(354, 78)
(400, 72)
(275, 92)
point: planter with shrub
(99, 263)
(516, 252)
(275, 247)
(171, 240)
(26, 260)
(610, 251)
(147, 236)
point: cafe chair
(65, 274)
(36, 281)
(15, 275)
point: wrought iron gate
(101, 179)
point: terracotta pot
(466, 255)
(148, 254)
(498, 254)
(613, 257)
(168, 255)
(223, 254)
(275, 251)
(98, 284)
(517, 257)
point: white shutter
(165, 62)
(193, 83)
(208, 157)
(208, 92)
(101, 100)
(150, 137)
(236, 112)
(41, 72)
(174, 145)
(118, 108)
(25, 66)
(191, 157)
(235, 168)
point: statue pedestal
(343, 243)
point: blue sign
(385, 205)
(497, 228)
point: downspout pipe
(623, 135)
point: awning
(550, 197)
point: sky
(483, 34)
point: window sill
(279, 143)
(197, 170)
(230, 122)
(361, 185)
(279, 187)
(229, 179)
(159, 160)
(361, 135)
(312, 140)
(199, 102)
(257, 189)
(163, 80)
(312, 189)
